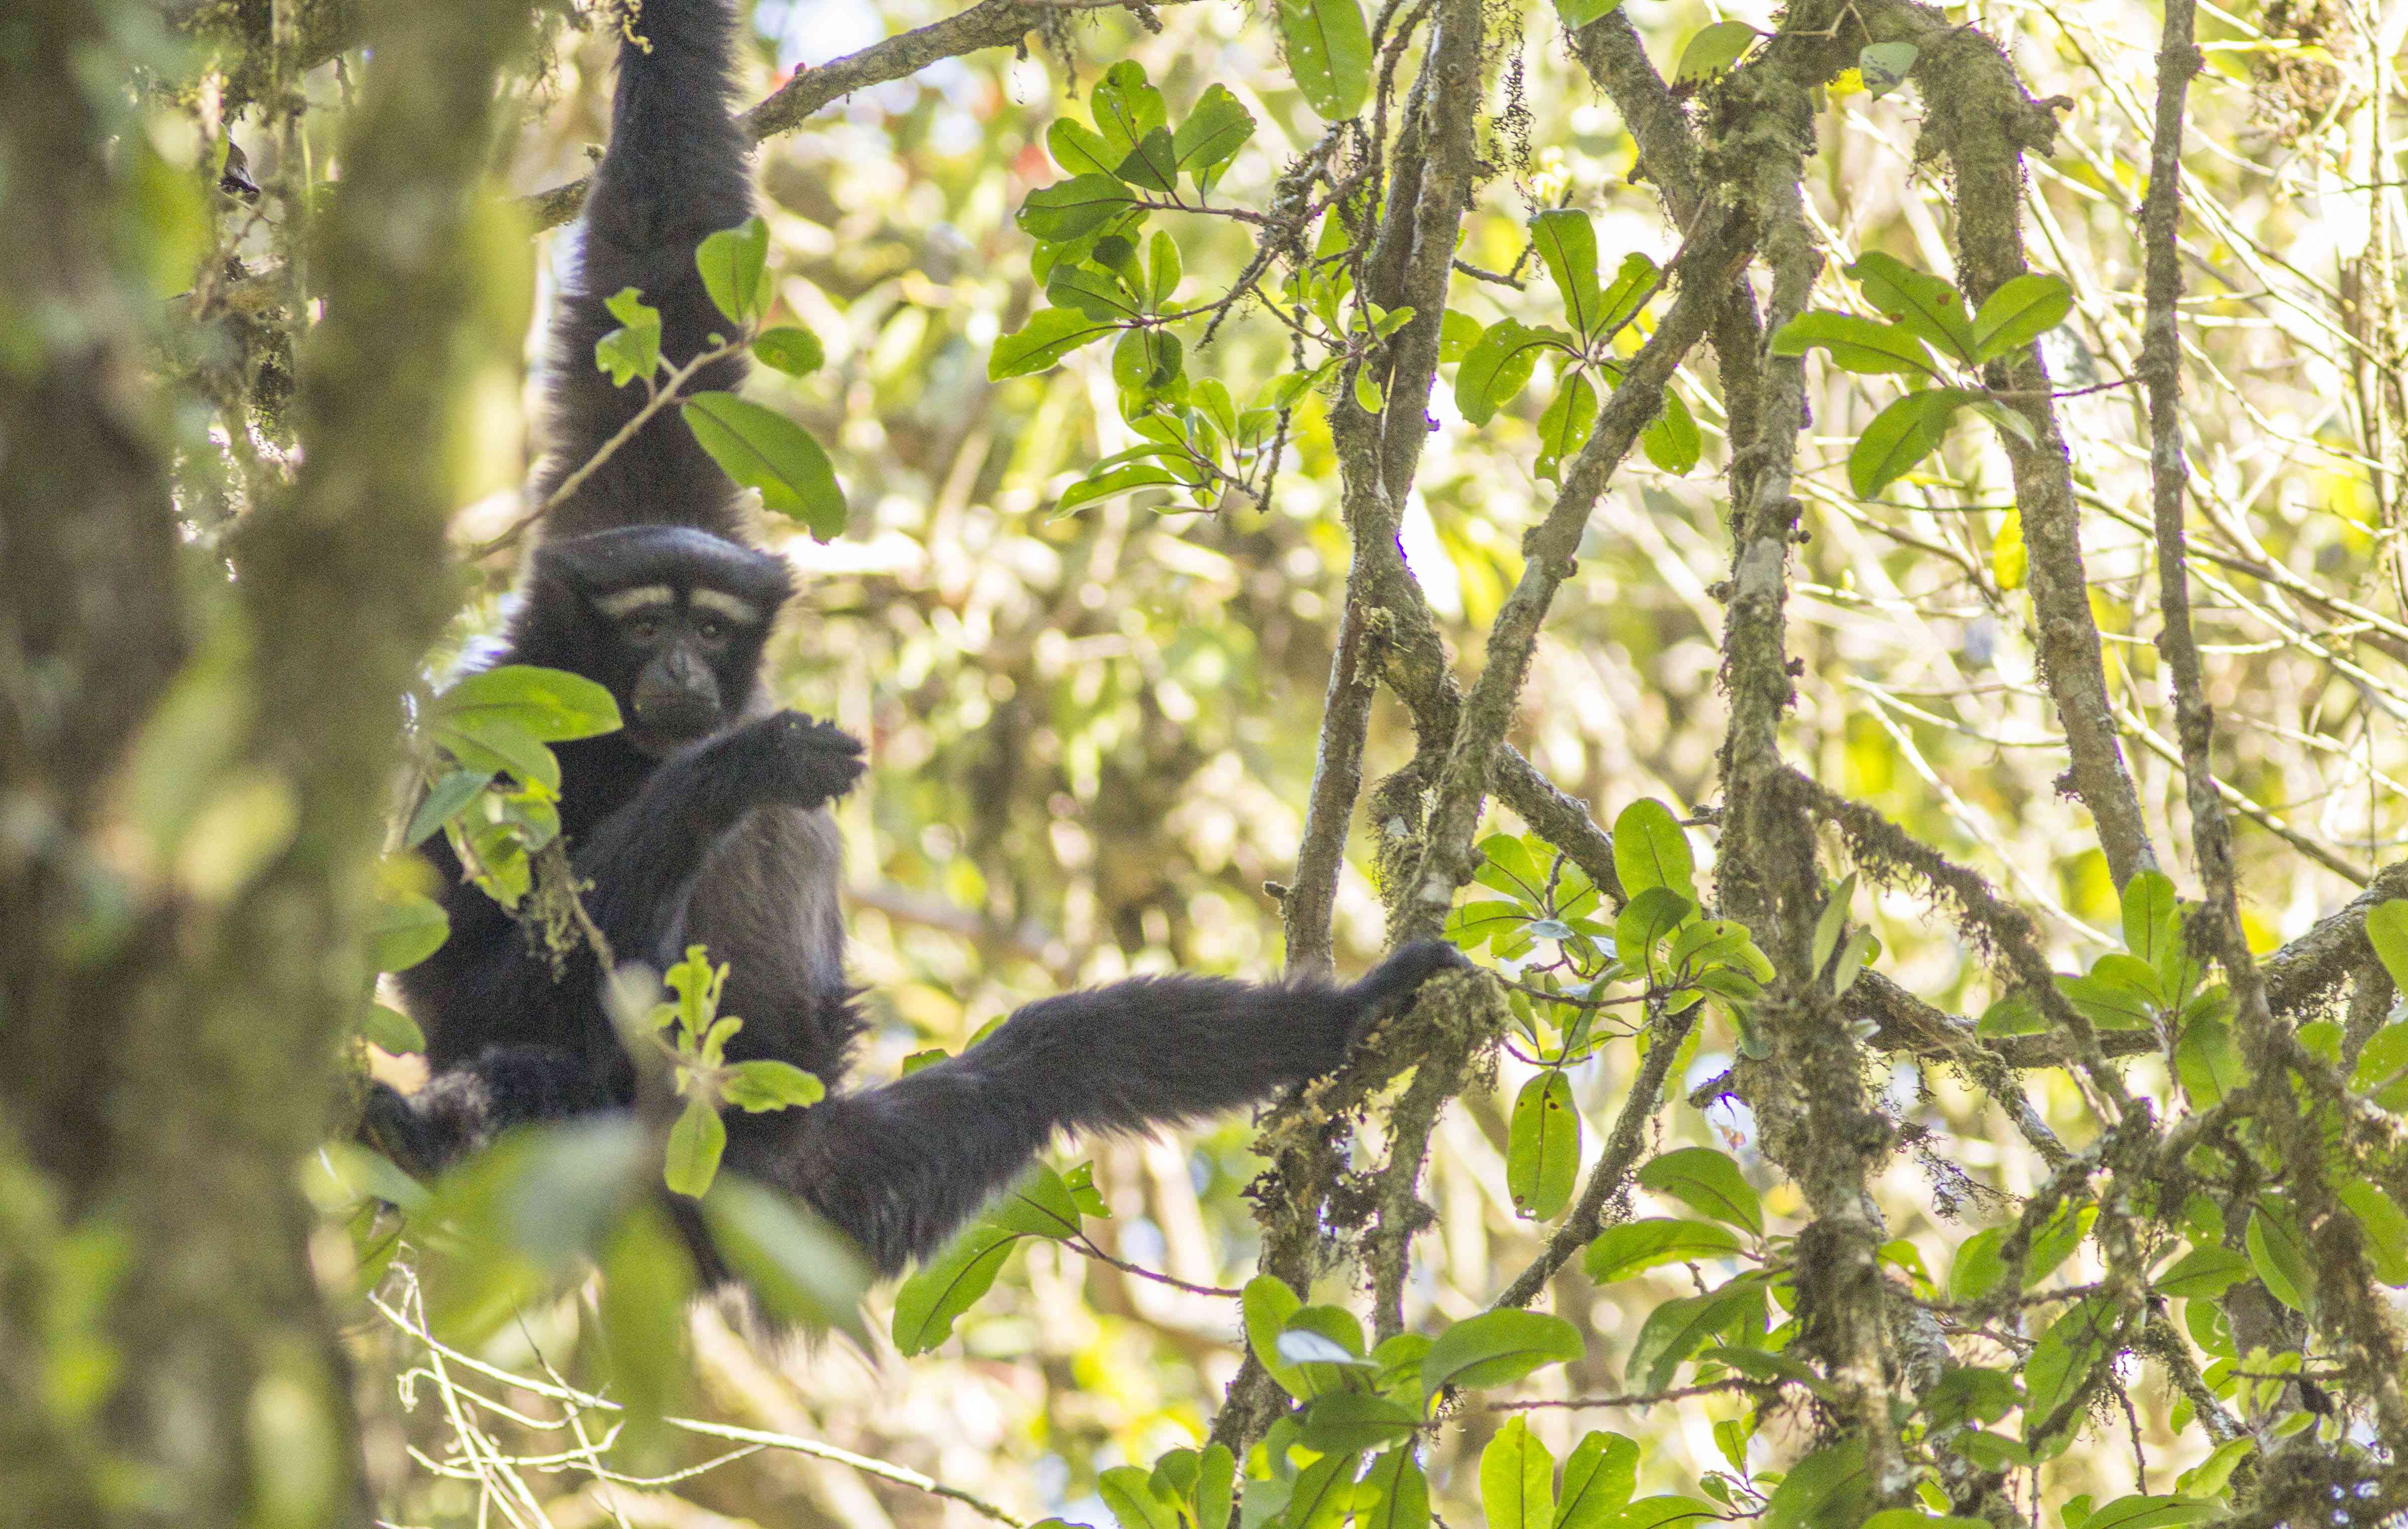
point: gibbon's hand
(1388, 987)
(799, 761)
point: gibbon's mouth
(664, 728)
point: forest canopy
(1849, 556)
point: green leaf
(1900, 436)
(1080, 149)
(2208, 1063)
(1266, 1304)
(442, 802)
(1039, 1204)
(1567, 241)
(2387, 930)
(1922, 302)
(2149, 908)
(1598, 1478)
(1635, 282)
(1635, 1247)
(733, 263)
(1498, 368)
(1829, 1489)
(1153, 164)
(1543, 1154)
(1884, 65)
(633, 350)
(761, 449)
(1670, 439)
(1089, 292)
(757, 1086)
(1404, 1494)
(1369, 395)
(391, 1030)
(1210, 138)
(1126, 108)
(1856, 344)
(2381, 1223)
(1324, 1493)
(1832, 922)
(1135, 1501)
(552, 705)
(695, 1143)
(1068, 208)
(1663, 1513)
(1459, 334)
(1497, 1348)
(1517, 1479)
(795, 352)
(1163, 267)
(1564, 427)
(404, 930)
(2150, 1513)
(1146, 358)
(2279, 1255)
(1714, 49)
(1576, 14)
(1646, 921)
(1650, 849)
(647, 1278)
(1329, 53)
(1708, 1182)
(927, 1304)
(1041, 344)
(2202, 1272)
(2019, 312)
(1977, 1268)
(1679, 1328)
(802, 1271)
(2209, 1477)
(1352, 1423)
(2061, 1364)
(2056, 1239)
(1119, 480)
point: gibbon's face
(673, 623)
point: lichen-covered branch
(1990, 123)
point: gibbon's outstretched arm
(675, 171)
(900, 1168)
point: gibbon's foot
(801, 762)
(1390, 985)
(389, 1125)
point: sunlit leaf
(1329, 53)
(1498, 1348)
(761, 449)
(1543, 1153)
(1707, 1181)
(733, 265)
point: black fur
(705, 820)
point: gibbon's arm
(899, 1169)
(643, 860)
(675, 171)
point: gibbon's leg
(641, 865)
(461, 1109)
(900, 1167)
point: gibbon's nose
(677, 695)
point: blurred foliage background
(1093, 732)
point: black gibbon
(705, 820)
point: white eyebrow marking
(743, 612)
(620, 602)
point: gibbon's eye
(643, 629)
(711, 628)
